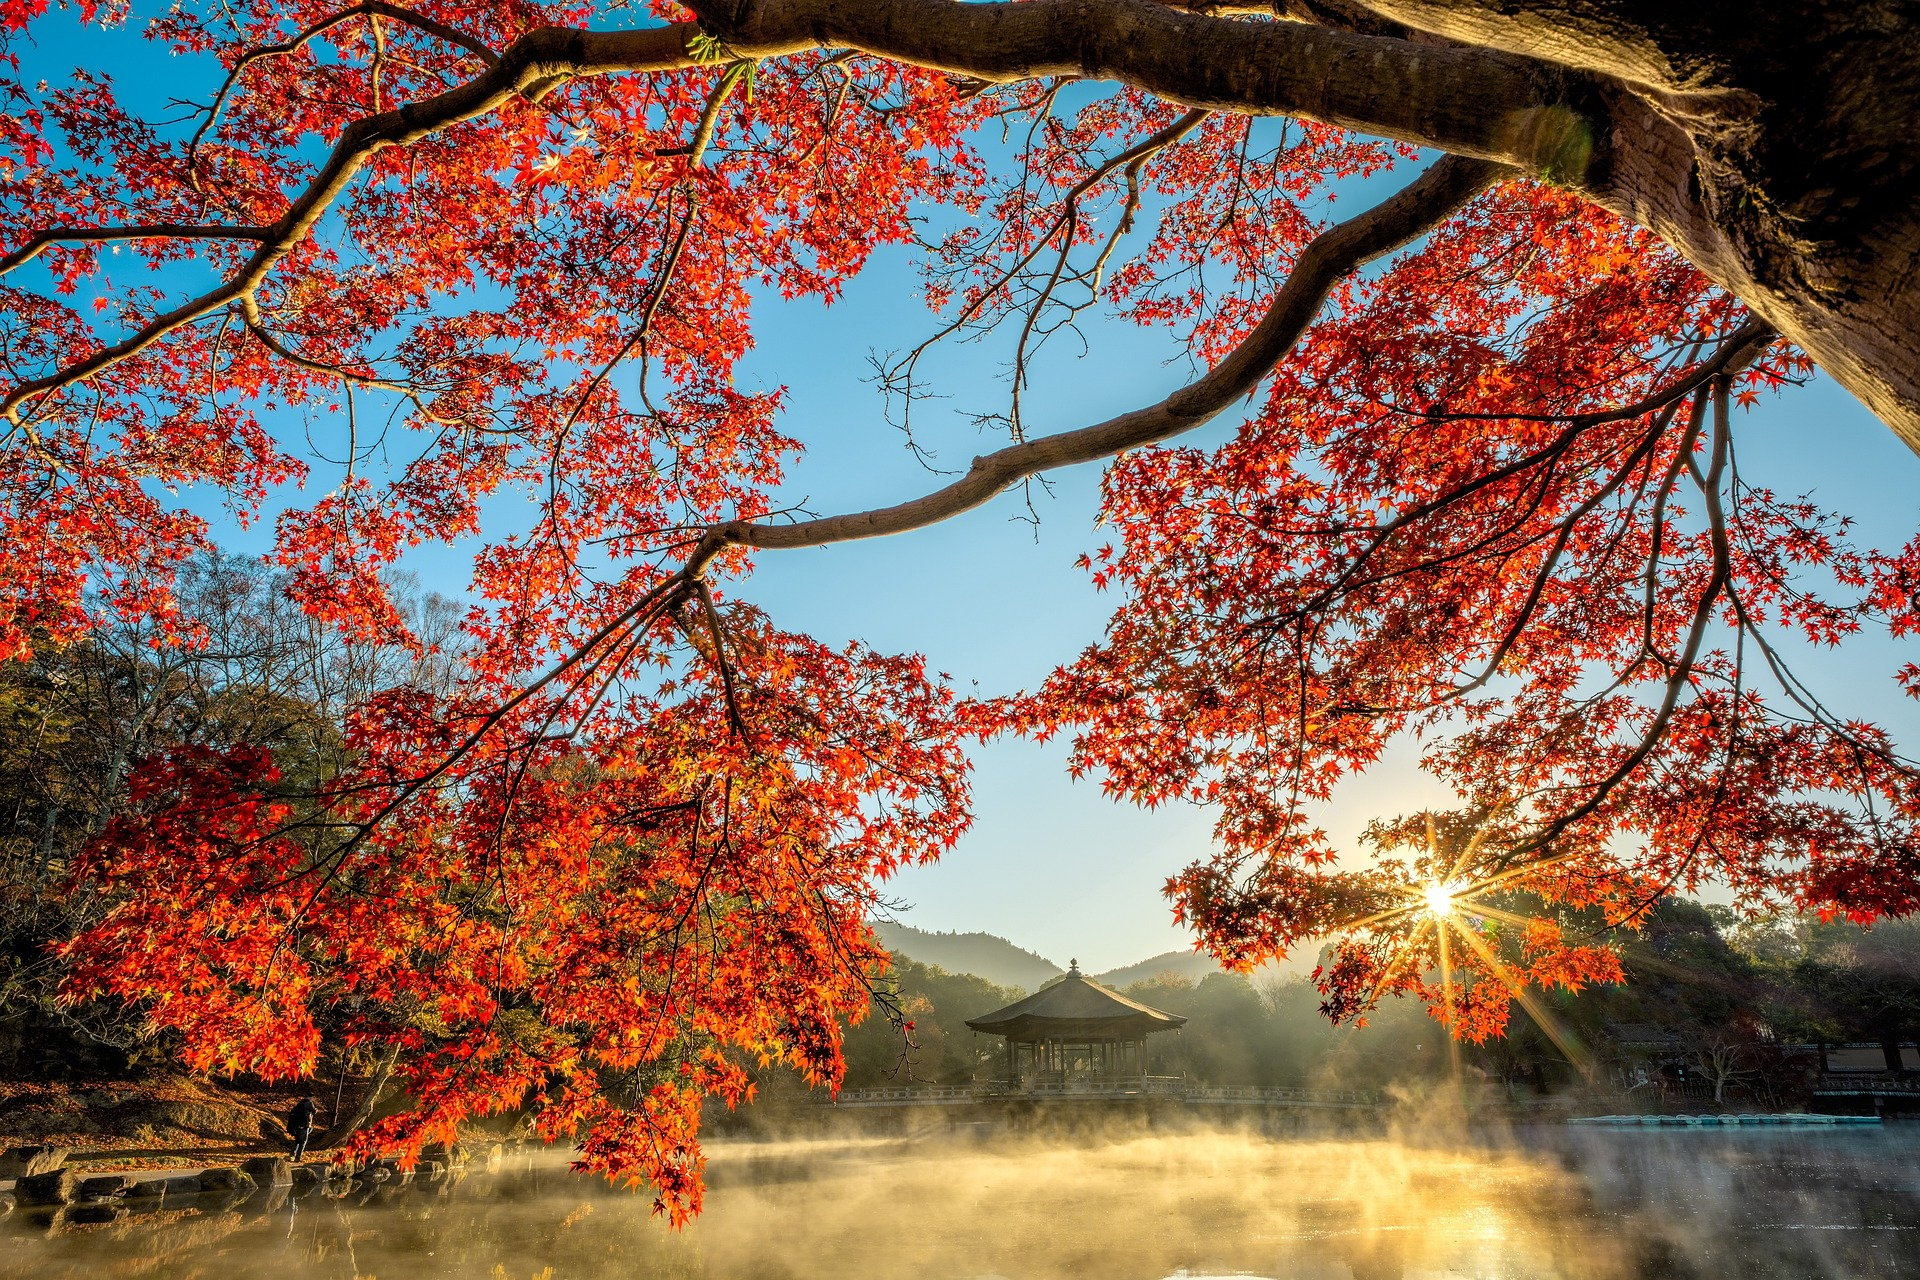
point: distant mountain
(1001, 962)
(1191, 965)
(981, 954)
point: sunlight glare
(1440, 899)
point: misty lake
(1590, 1204)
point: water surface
(1579, 1204)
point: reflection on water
(1585, 1205)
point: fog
(971, 1202)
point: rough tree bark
(1773, 144)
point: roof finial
(1073, 968)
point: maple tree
(1486, 490)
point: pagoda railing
(1864, 1082)
(1087, 1087)
(1276, 1094)
(909, 1095)
(1105, 1087)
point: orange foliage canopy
(1487, 491)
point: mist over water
(1560, 1202)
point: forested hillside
(981, 954)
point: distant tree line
(241, 664)
(1714, 997)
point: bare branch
(1131, 158)
(1329, 258)
(1063, 231)
(256, 325)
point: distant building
(1076, 1031)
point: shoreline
(49, 1184)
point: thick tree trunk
(344, 1127)
(1774, 145)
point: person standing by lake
(300, 1125)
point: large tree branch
(40, 241)
(1494, 106)
(1330, 257)
(1619, 38)
(1334, 254)
(1528, 103)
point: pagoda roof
(1073, 1008)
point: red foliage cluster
(610, 924)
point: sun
(1440, 899)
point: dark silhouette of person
(300, 1125)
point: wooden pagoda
(1076, 1031)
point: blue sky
(994, 598)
